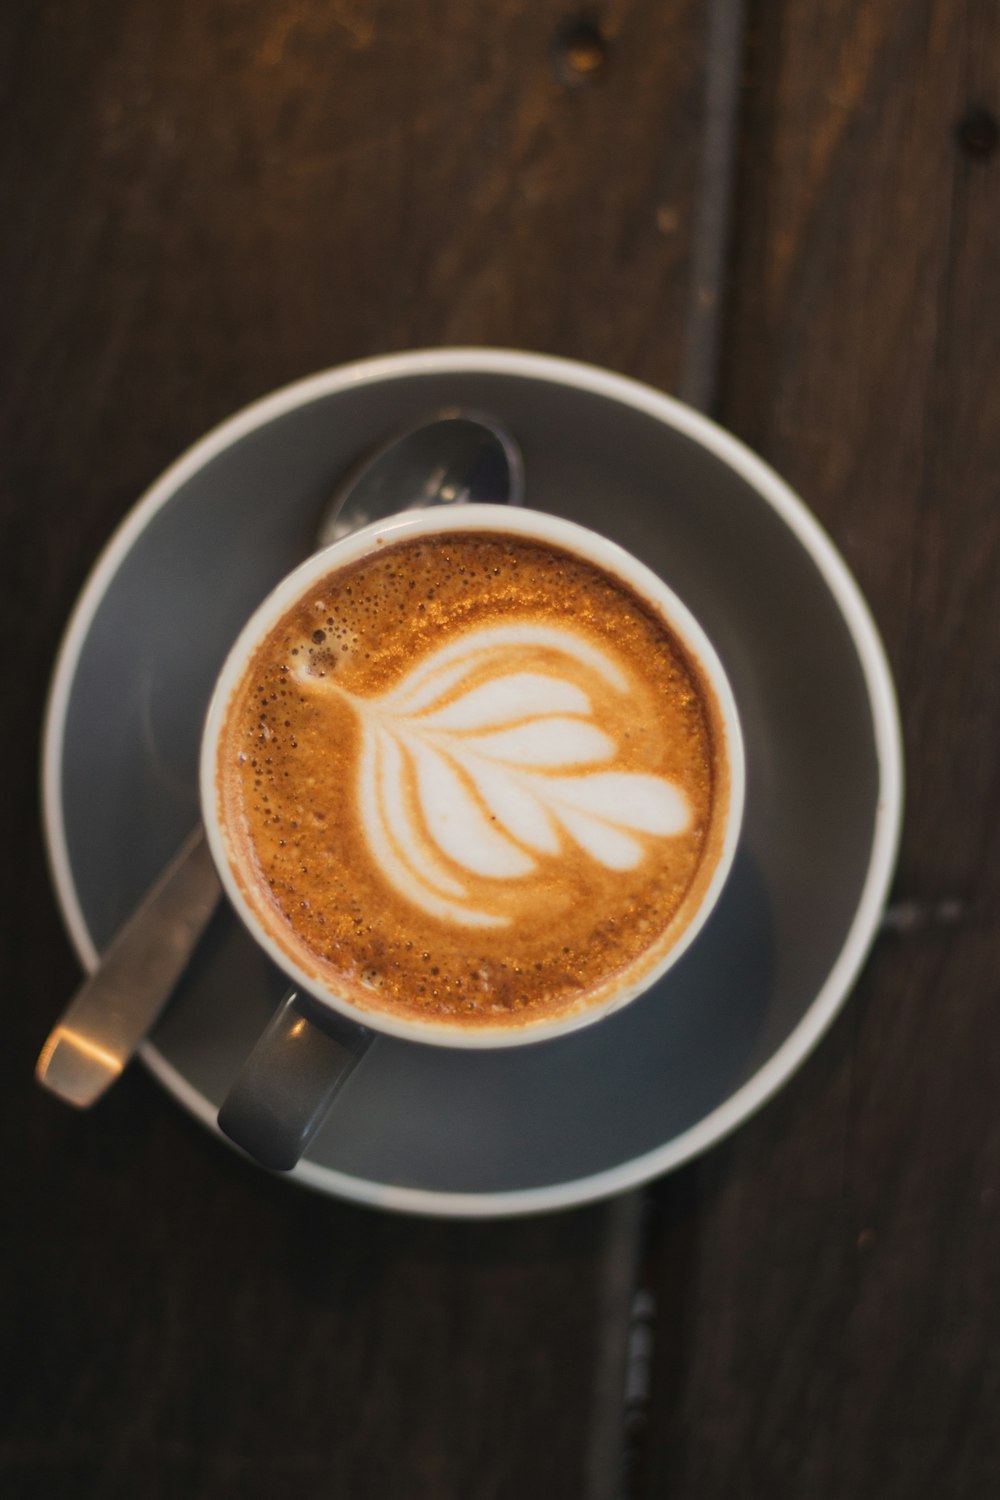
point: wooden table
(791, 218)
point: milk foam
(475, 765)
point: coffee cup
(472, 777)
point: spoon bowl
(458, 458)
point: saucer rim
(833, 570)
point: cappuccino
(475, 779)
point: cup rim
(443, 520)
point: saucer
(434, 1130)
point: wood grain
(209, 1333)
(827, 1287)
(201, 202)
(204, 200)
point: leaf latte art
(476, 763)
(471, 779)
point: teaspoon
(458, 456)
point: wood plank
(208, 1333)
(202, 202)
(825, 1281)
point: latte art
(475, 762)
(472, 778)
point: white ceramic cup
(318, 1034)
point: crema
(473, 778)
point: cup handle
(286, 1086)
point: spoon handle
(113, 1010)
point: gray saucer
(462, 1133)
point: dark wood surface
(790, 216)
